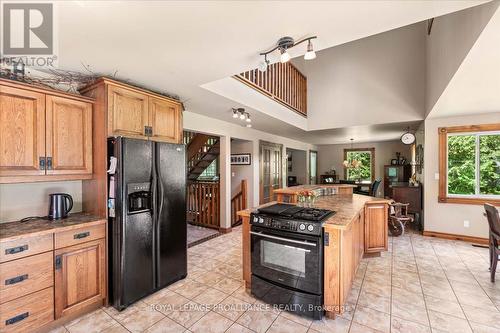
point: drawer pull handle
(82, 235)
(16, 279)
(14, 250)
(17, 318)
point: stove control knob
(310, 227)
(261, 220)
(302, 226)
(255, 219)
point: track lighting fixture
(242, 115)
(283, 45)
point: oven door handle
(283, 239)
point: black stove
(287, 257)
(291, 218)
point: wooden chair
(398, 218)
(494, 223)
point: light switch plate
(436, 176)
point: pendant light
(352, 164)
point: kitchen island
(358, 227)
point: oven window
(284, 258)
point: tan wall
(18, 201)
(240, 172)
(377, 79)
(451, 39)
(333, 155)
(446, 217)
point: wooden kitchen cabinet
(137, 113)
(45, 135)
(22, 132)
(69, 136)
(376, 216)
(127, 112)
(165, 118)
(79, 277)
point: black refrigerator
(147, 218)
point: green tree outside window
(474, 164)
(364, 172)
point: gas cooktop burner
(296, 213)
(312, 214)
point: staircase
(202, 150)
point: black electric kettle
(59, 205)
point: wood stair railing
(283, 83)
(238, 202)
(203, 204)
(202, 151)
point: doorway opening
(296, 167)
(203, 187)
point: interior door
(22, 132)
(79, 277)
(313, 167)
(271, 170)
(69, 136)
(164, 118)
(127, 112)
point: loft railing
(281, 82)
(238, 202)
(203, 204)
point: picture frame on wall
(241, 159)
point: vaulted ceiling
(177, 46)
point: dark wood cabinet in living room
(394, 174)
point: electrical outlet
(466, 224)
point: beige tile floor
(420, 285)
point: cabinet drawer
(80, 235)
(24, 247)
(27, 313)
(24, 276)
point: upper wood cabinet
(127, 112)
(137, 113)
(69, 136)
(22, 132)
(45, 135)
(165, 120)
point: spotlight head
(249, 125)
(285, 56)
(235, 113)
(310, 54)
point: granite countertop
(296, 189)
(346, 206)
(17, 229)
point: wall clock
(408, 138)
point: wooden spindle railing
(238, 202)
(203, 204)
(282, 82)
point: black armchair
(373, 189)
(494, 223)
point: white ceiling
(475, 87)
(176, 46)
